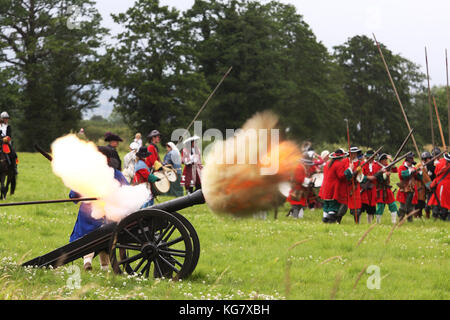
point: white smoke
(85, 170)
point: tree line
(165, 63)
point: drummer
(142, 173)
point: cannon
(155, 241)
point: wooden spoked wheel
(152, 241)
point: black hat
(109, 153)
(112, 137)
(143, 152)
(154, 133)
(425, 155)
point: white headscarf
(176, 156)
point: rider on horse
(6, 146)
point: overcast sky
(405, 26)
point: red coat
(388, 196)
(334, 186)
(353, 188)
(369, 196)
(150, 160)
(401, 196)
(298, 193)
(443, 185)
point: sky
(406, 27)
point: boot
(104, 260)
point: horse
(7, 176)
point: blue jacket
(85, 223)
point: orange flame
(245, 188)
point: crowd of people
(360, 182)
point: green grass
(240, 258)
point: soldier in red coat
(385, 196)
(334, 188)
(301, 185)
(407, 195)
(154, 138)
(440, 198)
(369, 188)
(354, 177)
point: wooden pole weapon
(439, 124)
(396, 94)
(448, 94)
(353, 180)
(206, 101)
(429, 101)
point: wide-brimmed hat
(324, 154)
(354, 149)
(154, 133)
(112, 137)
(447, 156)
(339, 153)
(369, 153)
(143, 152)
(382, 156)
(193, 138)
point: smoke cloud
(85, 170)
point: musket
(367, 161)
(403, 144)
(394, 162)
(46, 202)
(396, 93)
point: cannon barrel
(181, 202)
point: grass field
(240, 258)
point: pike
(353, 180)
(448, 94)
(206, 102)
(439, 124)
(396, 93)
(429, 101)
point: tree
(158, 84)
(55, 63)
(277, 62)
(374, 114)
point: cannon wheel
(152, 240)
(194, 238)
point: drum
(163, 185)
(284, 188)
(318, 179)
(170, 174)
